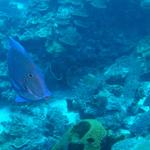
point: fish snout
(48, 95)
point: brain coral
(86, 135)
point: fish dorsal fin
(16, 45)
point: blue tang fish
(26, 78)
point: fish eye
(30, 75)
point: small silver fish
(26, 78)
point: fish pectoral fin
(20, 99)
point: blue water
(95, 58)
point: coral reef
(96, 58)
(143, 145)
(54, 47)
(132, 144)
(98, 3)
(145, 4)
(127, 144)
(141, 124)
(70, 36)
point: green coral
(86, 135)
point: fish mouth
(47, 97)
